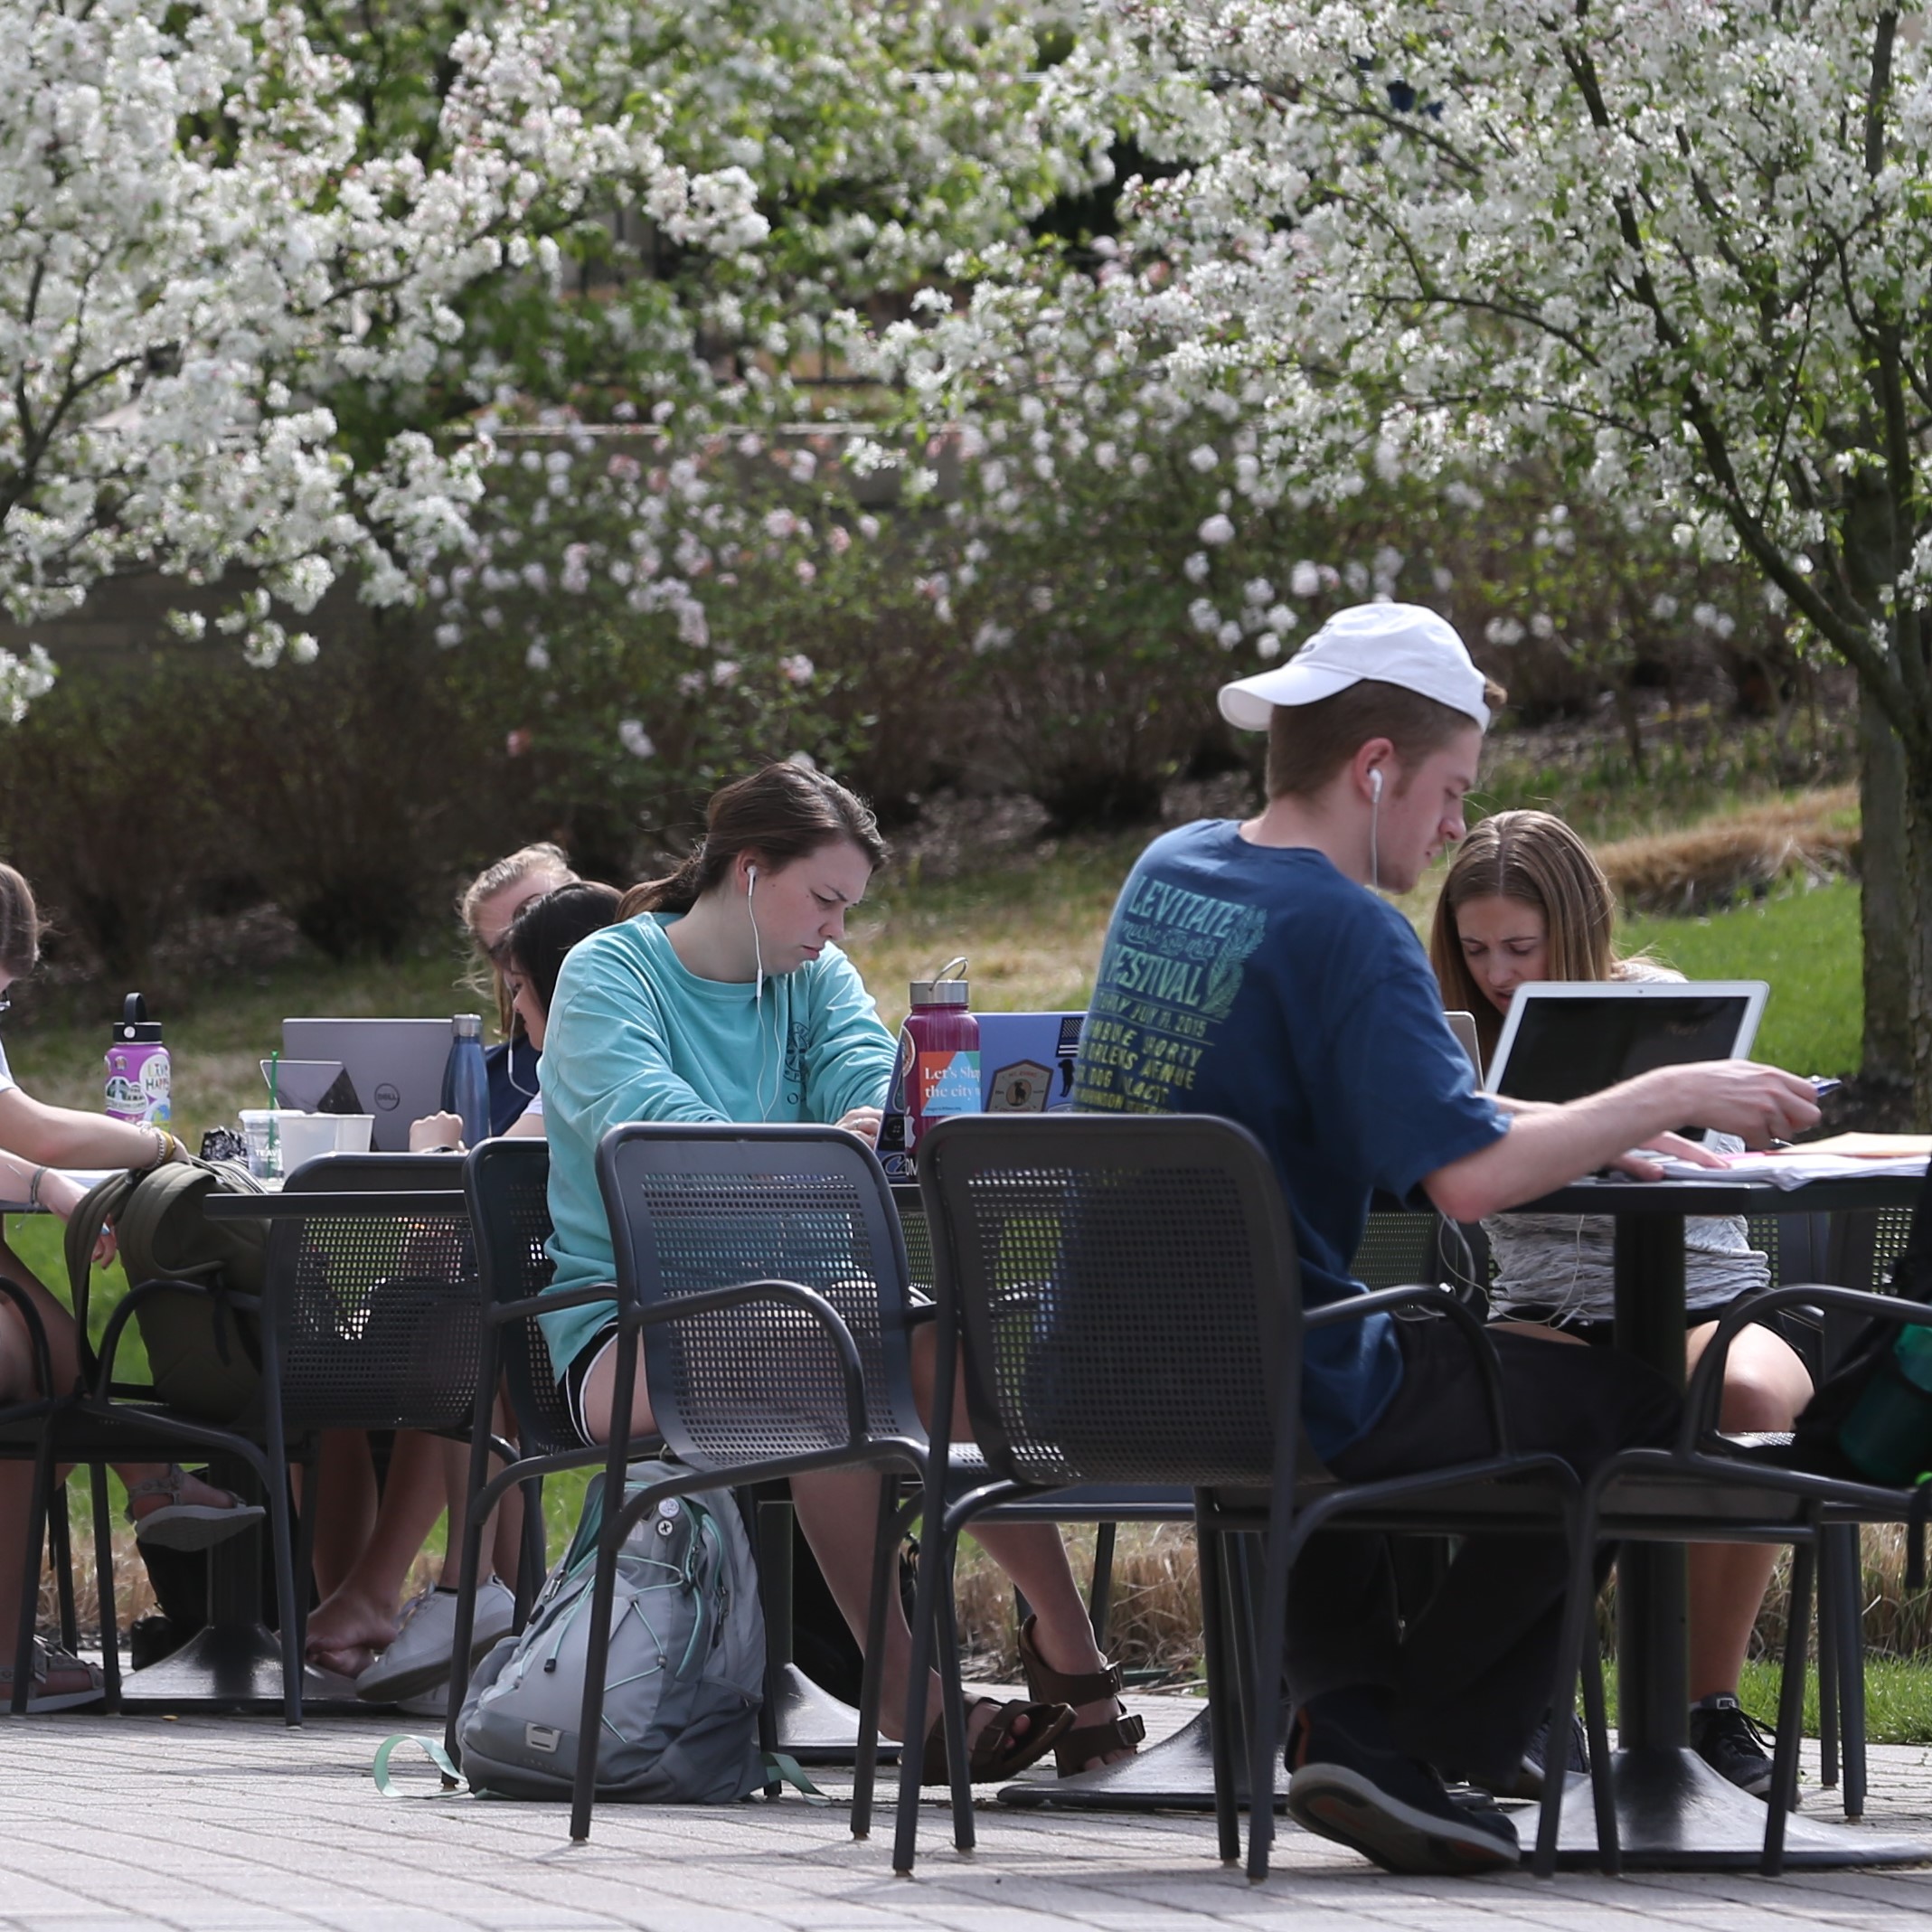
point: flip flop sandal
(178, 1525)
(997, 1754)
(62, 1682)
(1079, 1746)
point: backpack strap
(454, 1784)
(102, 1202)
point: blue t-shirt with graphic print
(1256, 982)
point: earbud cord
(757, 1002)
(1375, 813)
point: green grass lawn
(1898, 1698)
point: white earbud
(751, 872)
(1375, 783)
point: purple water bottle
(141, 1080)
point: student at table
(1524, 899)
(166, 1504)
(357, 1629)
(1251, 971)
(723, 995)
(487, 907)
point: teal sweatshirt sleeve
(849, 1053)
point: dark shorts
(579, 1373)
(1790, 1325)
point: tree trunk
(1917, 938)
(1883, 894)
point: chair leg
(30, 1573)
(951, 1697)
(469, 1569)
(1830, 1603)
(1264, 1698)
(1580, 1611)
(1850, 1626)
(110, 1647)
(925, 1615)
(60, 1555)
(885, 1577)
(603, 1595)
(1596, 1729)
(534, 1558)
(1210, 1556)
(1100, 1592)
(305, 1522)
(1790, 1711)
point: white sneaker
(420, 1658)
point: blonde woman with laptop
(1524, 900)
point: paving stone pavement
(237, 1825)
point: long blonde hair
(521, 865)
(1535, 859)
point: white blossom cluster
(204, 248)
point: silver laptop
(1463, 1025)
(396, 1067)
(1565, 1039)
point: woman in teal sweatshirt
(722, 995)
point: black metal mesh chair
(764, 1269)
(1124, 1300)
(506, 1185)
(1712, 1488)
(371, 1319)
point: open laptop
(396, 1067)
(1026, 1060)
(1563, 1040)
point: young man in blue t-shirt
(1251, 972)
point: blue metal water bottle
(466, 1079)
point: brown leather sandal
(1078, 1747)
(997, 1754)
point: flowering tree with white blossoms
(205, 244)
(1681, 247)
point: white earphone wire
(758, 999)
(1375, 813)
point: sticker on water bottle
(948, 1081)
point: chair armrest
(1439, 1301)
(797, 1296)
(1705, 1391)
(36, 1334)
(124, 1311)
(522, 1309)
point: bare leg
(358, 1617)
(344, 1503)
(503, 1547)
(1765, 1387)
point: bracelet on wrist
(33, 1187)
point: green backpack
(203, 1353)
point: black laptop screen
(1567, 1048)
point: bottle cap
(466, 1025)
(942, 989)
(134, 1024)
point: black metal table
(234, 1662)
(1673, 1812)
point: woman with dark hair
(166, 1504)
(427, 1474)
(722, 995)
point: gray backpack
(686, 1665)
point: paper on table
(1791, 1167)
(1872, 1146)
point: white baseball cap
(1388, 644)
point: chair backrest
(1127, 1290)
(378, 1311)
(507, 1185)
(707, 1206)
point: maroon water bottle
(939, 1053)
